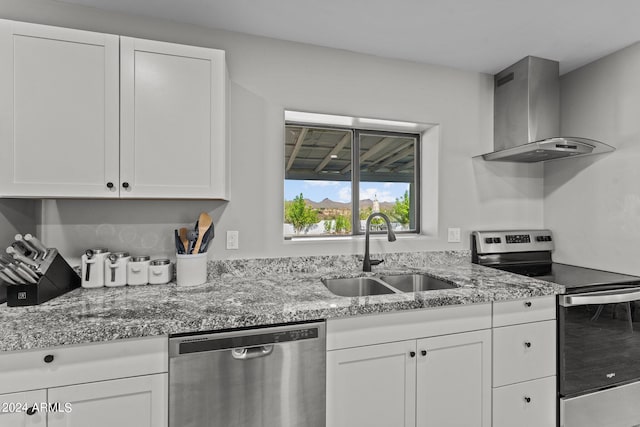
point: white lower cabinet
(418, 382)
(524, 363)
(372, 386)
(454, 373)
(129, 402)
(123, 383)
(528, 404)
(17, 409)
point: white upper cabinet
(58, 112)
(90, 115)
(173, 125)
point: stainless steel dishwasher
(267, 377)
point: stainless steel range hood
(527, 116)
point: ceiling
(317, 153)
(475, 35)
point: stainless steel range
(598, 327)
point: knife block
(57, 278)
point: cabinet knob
(109, 185)
(48, 358)
(31, 411)
(527, 344)
(527, 304)
(125, 185)
(527, 399)
(423, 352)
(412, 354)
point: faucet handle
(376, 261)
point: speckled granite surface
(252, 292)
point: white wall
(593, 203)
(267, 77)
(16, 216)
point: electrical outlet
(453, 235)
(232, 239)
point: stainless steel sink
(357, 287)
(417, 282)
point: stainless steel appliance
(527, 116)
(267, 377)
(598, 327)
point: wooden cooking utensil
(204, 222)
(183, 239)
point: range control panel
(498, 241)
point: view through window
(324, 195)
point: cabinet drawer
(14, 407)
(524, 311)
(524, 352)
(74, 364)
(528, 404)
(358, 331)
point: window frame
(355, 180)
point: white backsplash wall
(136, 226)
(593, 203)
(268, 76)
(16, 216)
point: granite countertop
(244, 293)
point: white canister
(138, 270)
(191, 269)
(160, 271)
(93, 267)
(115, 269)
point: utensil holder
(191, 270)
(57, 278)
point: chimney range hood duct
(527, 116)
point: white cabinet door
(173, 124)
(17, 409)
(372, 386)
(129, 402)
(527, 404)
(59, 106)
(454, 380)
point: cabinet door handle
(527, 344)
(125, 185)
(423, 352)
(527, 399)
(48, 358)
(109, 185)
(412, 354)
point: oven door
(598, 340)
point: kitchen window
(325, 195)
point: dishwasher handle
(247, 353)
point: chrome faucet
(366, 265)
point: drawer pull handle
(412, 354)
(424, 352)
(527, 399)
(48, 358)
(527, 344)
(528, 304)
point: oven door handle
(604, 297)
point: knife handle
(7, 279)
(22, 258)
(13, 276)
(24, 275)
(28, 245)
(37, 244)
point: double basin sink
(364, 286)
